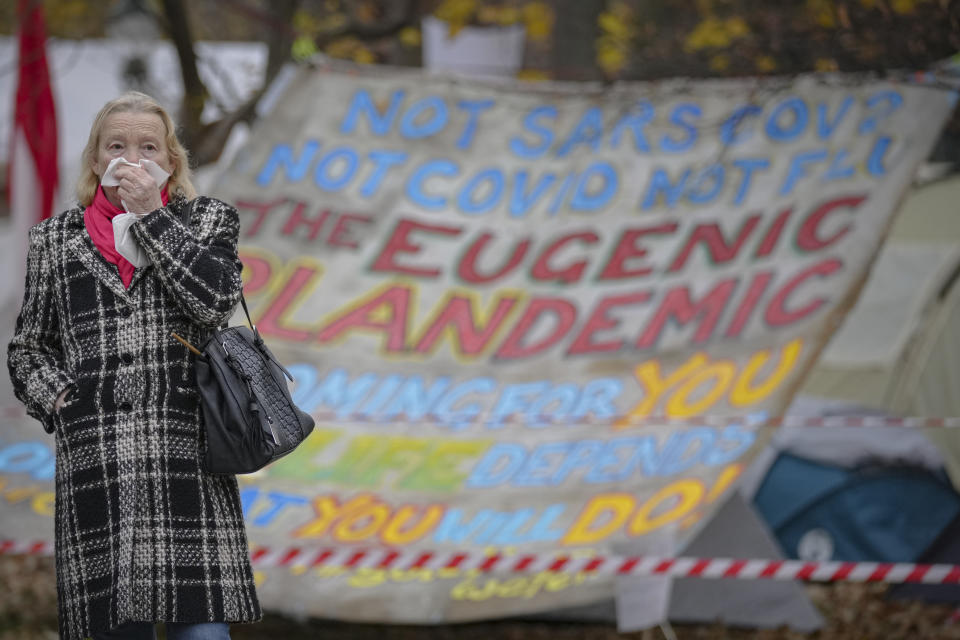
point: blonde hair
(135, 102)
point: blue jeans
(175, 631)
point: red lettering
(712, 238)
(262, 209)
(627, 249)
(467, 269)
(399, 242)
(565, 314)
(769, 242)
(340, 234)
(678, 306)
(750, 300)
(298, 217)
(543, 271)
(807, 237)
(458, 314)
(297, 285)
(599, 321)
(258, 272)
(777, 315)
(394, 328)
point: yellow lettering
(720, 374)
(648, 374)
(686, 493)
(615, 508)
(363, 523)
(365, 577)
(744, 393)
(44, 503)
(399, 532)
(327, 510)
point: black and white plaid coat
(142, 533)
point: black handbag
(249, 418)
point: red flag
(33, 157)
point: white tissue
(123, 239)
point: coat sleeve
(35, 355)
(198, 266)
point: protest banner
(486, 290)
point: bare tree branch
(194, 91)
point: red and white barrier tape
(379, 558)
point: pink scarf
(98, 219)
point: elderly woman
(143, 534)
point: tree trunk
(574, 39)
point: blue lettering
(521, 201)
(893, 99)
(459, 417)
(339, 393)
(22, 457)
(598, 398)
(671, 144)
(660, 181)
(826, 127)
(728, 130)
(515, 398)
(588, 131)
(798, 122)
(363, 104)
(837, 169)
(282, 157)
(875, 161)
(466, 201)
(520, 147)
(700, 194)
(536, 471)
(451, 529)
(409, 128)
(748, 166)
(635, 121)
(415, 401)
(741, 441)
(474, 108)
(322, 176)
(424, 172)
(497, 466)
(279, 502)
(798, 168)
(383, 160)
(583, 201)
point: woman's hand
(138, 189)
(61, 399)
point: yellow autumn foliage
(538, 18)
(714, 33)
(456, 13)
(350, 48)
(410, 37)
(303, 47)
(617, 32)
(825, 65)
(823, 12)
(765, 63)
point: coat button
(125, 406)
(126, 358)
